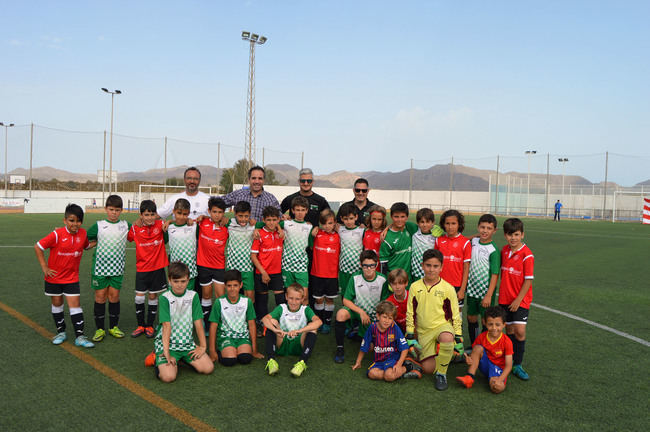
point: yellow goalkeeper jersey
(425, 307)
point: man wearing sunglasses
(360, 201)
(317, 203)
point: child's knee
(245, 358)
(376, 374)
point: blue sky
(355, 85)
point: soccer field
(583, 377)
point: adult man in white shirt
(198, 200)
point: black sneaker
(441, 381)
(339, 356)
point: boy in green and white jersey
(180, 309)
(181, 238)
(238, 248)
(423, 239)
(295, 261)
(484, 271)
(109, 235)
(351, 245)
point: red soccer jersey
(211, 248)
(150, 252)
(327, 247)
(456, 252)
(515, 268)
(496, 351)
(269, 251)
(65, 254)
(372, 241)
(401, 310)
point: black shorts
(520, 316)
(153, 281)
(324, 287)
(275, 284)
(208, 275)
(461, 303)
(66, 289)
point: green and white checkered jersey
(367, 293)
(351, 248)
(232, 318)
(290, 320)
(182, 246)
(296, 239)
(419, 244)
(110, 254)
(180, 311)
(238, 249)
(485, 262)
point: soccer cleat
(466, 381)
(413, 369)
(273, 367)
(325, 329)
(520, 373)
(339, 357)
(116, 332)
(150, 360)
(298, 368)
(352, 333)
(149, 331)
(82, 341)
(59, 338)
(99, 335)
(137, 332)
(441, 381)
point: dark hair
(458, 215)
(270, 211)
(375, 209)
(242, 207)
(256, 168)
(192, 168)
(513, 225)
(386, 308)
(147, 205)
(495, 312)
(216, 202)
(347, 209)
(397, 275)
(488, 218)
(361, 180)
(368, 254)
(177, 270)
(74, 209)
(325, 215)
(182, 204)
(300, 201)
(432, 253)
(232, 275)
(114, 201)
(425, 214)
(399, 207)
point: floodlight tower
(529, 153)
(6, 126)
(563, 161)
(249, 145)
(110, 163)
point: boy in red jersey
(457, 250)
(491, 352)
(62, 272)
(211, 256)
(151, 260)
(326, 244)
(266, 254)
(398, 281)
(516, 289)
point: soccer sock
(152, 312)
(77, 316)
(279, 299)
(270, 344)
(100, 314)
(310, 341)
(139, 310)
(473, 330)
(518, 347)
(261, 305)
(444, 357)
(59, 319)
(113, 314)
(327, 313)
(206, 306)
(318, 310)
(339, 332)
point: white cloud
(15, 42)
(53, 42)
(418, 121)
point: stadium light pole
(110, 159)
(529, 153)
(563, 161)
(249, 145)
(6, 126)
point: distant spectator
(558, 207)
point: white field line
(571, 233)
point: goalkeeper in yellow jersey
(432, 313)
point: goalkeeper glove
(459, 348)
(413, 343)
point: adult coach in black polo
(360, 201)
(254, 194)
(317, 203)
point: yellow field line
(135, 388)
